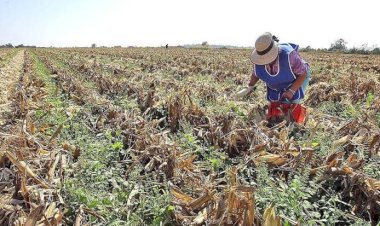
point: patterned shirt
(299, 67)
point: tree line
(9, 45)
(340, 45)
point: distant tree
(20, 46)
(93, 45)
(365, 47)
(376, 50)
(205, 43)
(9, 45)
(339, 45)
(307, 49)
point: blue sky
(155, 23)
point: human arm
(252, 82)
(254, 79)
(299, 68)
(294, 87)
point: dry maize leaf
(375, 139)
(66, 146)
(3, 158)
(199, 202)
(259, 147)
(344, 171)
(79, 216)
(20, 155)
(272, 159)
(284, 133)
(356, 165)
(354, 162)
(360, 136)
(270, 218)
(19, 222)
(181, 218)
(245, 189)
(200, 218)
(60, 199)
(250, 210)
(34, 216)
(187, 163)
(334, 156)
(70, 111)
(347, 170)
(32, 127)
(5, 200)
(241, 206)
(94, 213)
(52, 168)
(56, 133)
(231, 200)
(150, 166)
(232, 177)
(134, 192)
(24, 168)
(278, 161)
(76, 153)
(56, 221)
(277, 150)
(373, 184)
(221, 207)
(44, 127)
(342, 141)
(62, 168)
(51, 210)
(358, 140)
(333, 163)
(43, 152)
(291, 152)
(24, 191)
(352, 158)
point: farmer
(280, 66)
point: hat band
(265, 51)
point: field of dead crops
(155, 136)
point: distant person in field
(167, 46)
(280, 66)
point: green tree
(339, 45)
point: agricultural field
(155, 136)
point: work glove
(244, 92)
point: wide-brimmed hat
(266, 50)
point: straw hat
(266, 50)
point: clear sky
(317, 23)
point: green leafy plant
(117, 145)
(370, 98)
(299, 199)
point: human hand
(288, 95)
(245, 91)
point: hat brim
(267, 58)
